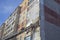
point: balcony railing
(33, 26)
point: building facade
(2, 31)
(29, 17)
(0, 34)
(34, 20)
(22, 19)
(50, 20)
(11, 24)
(25, 17)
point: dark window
(12, 23)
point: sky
(6, 8)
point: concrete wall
(49, 30)
(52, 32)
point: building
(34, 20)
(25, 17)
(50, 19)
(1, 31)
(22, 19)
(28, 19)
(11, 24)
(0, 34)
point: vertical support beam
(42, 18)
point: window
(14, 14)
(9, 18)
(30, 1)
(20, 37)
(8, 27)
(25, 3)
(28, 38)
(13, 23)
(30, 7)
(36, 35)
(22, 23)
(10, 30)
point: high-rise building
(25, 17)
(29, 17)
(50, 19)
(0, 33)
(34, 20)
(11, 24)
(22, 19)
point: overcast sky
(7, 7)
